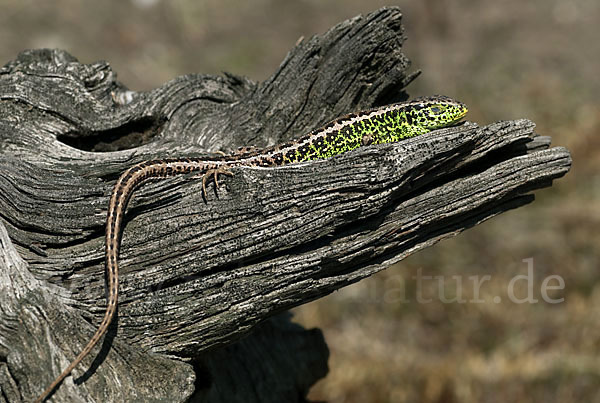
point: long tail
(108, 315)
(124, 188)
(118, 203)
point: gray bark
(199, 276)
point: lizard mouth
(461, 115)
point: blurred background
(536, 59)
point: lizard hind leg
(213, 173)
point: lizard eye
(436, 110)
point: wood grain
(197, 275)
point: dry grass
(511, 59)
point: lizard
(380, 125)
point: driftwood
(196, 274)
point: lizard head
(437, 111)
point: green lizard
(385, 124)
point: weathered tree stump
(197, 275)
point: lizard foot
(213, 174)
